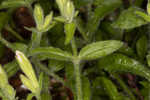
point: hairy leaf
(99, 49)
(121, 63)
(51, 53)
(128, 19)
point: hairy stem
(78, 79)
(74, 48)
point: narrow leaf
(111, 89)
(69, 30)
(26, 67)
(38, 16)
(28, 83)
(51, 53)
(12, 3)
(3, 78)
(86, 88)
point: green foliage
(99, 49)
(111, 89)
(77, 49)
(121, 63)
(128, 19)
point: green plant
(92, 53)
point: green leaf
(47, 21)
(20, 47)
(3, 78)
(86, 88)
(104, 8)
(12, 4)
(128, 19)
(143, 15)
(99, 49)
(69, 30)
(28, 83)
(7, 90)
(111, 89)
(141, 46)
(67, 9)
(55, 65)
(148, 59)
(26, 67)
(38, 16)
(51, 53)
(41, 80)
(11, 68)
(120, 63)
(30, 96)
(145, 90)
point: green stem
(35, 41)
(74, 48)
(78, 79)
(76, 63)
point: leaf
(28, 83)
(69, 30)
(121, 63)
(3, 78)
(141, 46)
(38, 16)
(7, 90)
(55, 65)
(30, 96)
(47, 21)
(86, 88)
(143, 15)
(51, 53)
(111, 89)
(145, 90)
(26, 67)
(127, 51)
(41, 77)
(20, 47)
(104, 8)
(148, 59)
(11, 68)
(128, 19)
(99, 49)
(12, 4)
